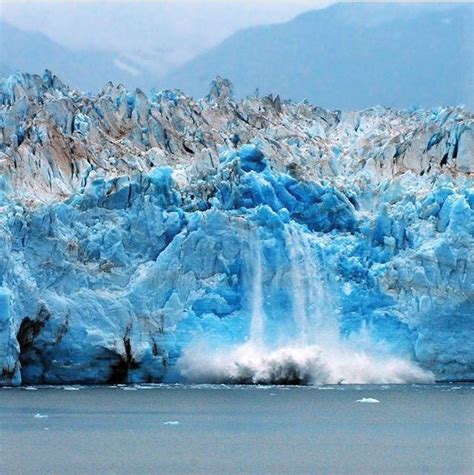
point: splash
(247, 364)
(315, 353)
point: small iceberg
(171, 423)
(40, 416)
(368, 400)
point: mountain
(349, 56)
(154, 36)
(85, 70)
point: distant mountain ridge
(346, 56)
(89, 71)
(349, 56)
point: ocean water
(237, 429)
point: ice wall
(139, 232)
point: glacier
(158, 238)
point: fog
(163, 32)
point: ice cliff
(154, 237)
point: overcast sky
(183, 27)
(157, 33)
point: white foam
(295, 365)
(40, 416)
(171, 423)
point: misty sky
(159, 34)
(170, 32)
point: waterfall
(314, 314)
(298, 286)
(312, 351)
(257, 320)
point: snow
(138, 231)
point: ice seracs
(131, 223)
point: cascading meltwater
(312, 351)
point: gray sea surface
(237, 429)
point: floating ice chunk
(368, 400)
(171, 423)
(40, 416)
